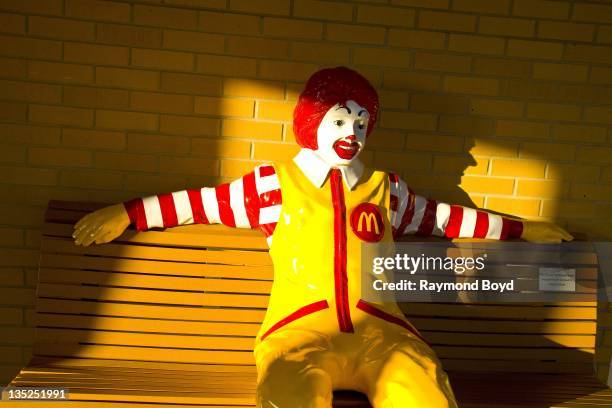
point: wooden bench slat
(507, 311)
(583, 355)
(505, 326)
(525, 340)
(517, 366)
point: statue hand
(544, 233)
(101, 226)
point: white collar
(316, 169)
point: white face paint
(342, 133)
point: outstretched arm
(248, 202)
(413, 214)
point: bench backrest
(197, 294)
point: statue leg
(408, 376)
(294, 370)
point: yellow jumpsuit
(318, 335)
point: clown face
(342, 133)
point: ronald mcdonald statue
(316, 211)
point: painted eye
(361, 126)
(339, 122)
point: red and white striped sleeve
(413, 214)
(251, 201)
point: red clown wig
(324, 89)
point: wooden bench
(169, 317)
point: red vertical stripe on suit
(429, 218)
(197, 207)
(511, 229)
(225, 209)
(453, 226)
(270, 198)
(137, 214)
(251, 199)
(266, 171)
(301, 312)
(482, 224)
(168, 210)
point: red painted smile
(346, 149)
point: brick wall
(106, 100)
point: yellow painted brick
(11, 276)
(413, 81)
(416, 39)
(434, 143)
(234, 169)
(566, 208)
(224, 106)
(530, 90)
(228, 23)
(30, 91)
(437, 4)
(291, 71)
(606, 174)
(274, 151)
(471, 85)
(95, 97)
(574, 172)
(400, 161)
(12, 23)
(277, 7)
(257, 47)
(154, 184)
(165, 16)
(541, 8)
(51, 7)
(91, 179)
(127, 78)
(323, 10)
(190, 84)
(542, 188)
(382, 138)
(253, 88)
(221, 148)
(408, 120)
(476, 44)
(588, 53)
(29, 134)
(447, 21)
(442, 62)
(566, 31)
(126, 120)
(188, 165)
(95, 139)
(514, 206)
(50, 156)
(161, 102)
(60, 28)
(355, 34)
(125, 161)
(294, 90)
(13, 111)
(604, 34)
(189, 125)
(329, 53)
(382, 57)
(560, 72)
(598, 114)
(96, 54)
(511, 128)
(194, 41)
(496, 107)
(518, 168)
(276, 111)
(371, 73)
(595, 155)
(535, 49)
(591, 191)
(134, 36)
(166, 60)
(441, 103)
(501, 67)
(61, 115)
(482, 6)
(55, 71)
(487, 185)
(466, 125)
(393, 99)
(11, 46)
(162, 144)
(580, 133)
(13, 68)
(492, 147)
(511, 27)
(598, 13)
(553, 111)
(28, 176)
(10, 153)
(98, 10)
(387, 16)
(292, 28)
(226, 66)
(459, 165)
(251, 129)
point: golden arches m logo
(367, 222)
(369, 218)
